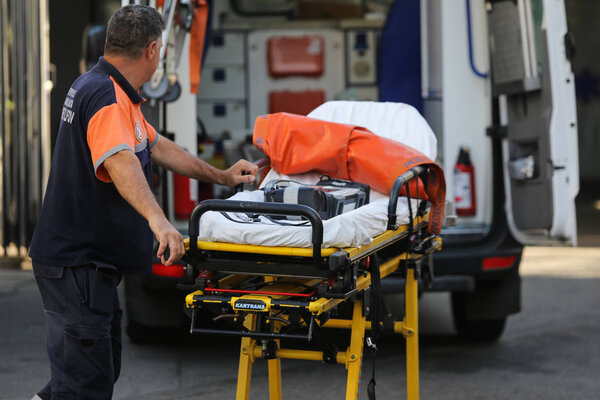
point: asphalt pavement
(549, 351)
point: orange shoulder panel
(108, 132)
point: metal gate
(24, 120)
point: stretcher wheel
(190, 273)
(349, 282)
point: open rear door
(530, 54)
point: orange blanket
(297, 144)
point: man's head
(131, 29)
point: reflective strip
(173, 271)
(110, 153)
(141, 146)
(493, 263)
(156, 137)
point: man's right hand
(167, 235)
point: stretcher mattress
(356, 228)
(352, 229)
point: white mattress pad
(351, 229)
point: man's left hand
(242, 171)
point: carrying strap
(280, 222)
(255, 220)
(376, 325)
(226, 215)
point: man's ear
(151, 49)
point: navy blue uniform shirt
(84, 219)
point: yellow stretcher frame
(251, 349)
(248, 309)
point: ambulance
(493, 79)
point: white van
(492, 76)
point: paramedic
(99, 211)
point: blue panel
(219, 75)
(218, 40)
(400, 60)
(219, 110)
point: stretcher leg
(275, 372)
(412, 336)
(355, 351)
(246, 360)
(275, 363)
(275, 379)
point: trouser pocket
(88, 362)
(103, 284)
(51, 285)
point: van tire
(481, 315)
(479, 331)
(142, 334)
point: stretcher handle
(400, 181)
(262, 162)
(262, 208)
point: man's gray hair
(131, 29)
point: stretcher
(268, 294)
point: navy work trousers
(83, 330)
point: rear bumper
(448, 283)
(460, 266)
(469, 261)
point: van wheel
(472, 328)
(139, 333)
(142, 334)
(480, 331)
(481, 315)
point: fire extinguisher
(464, 184)
(185, 195)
